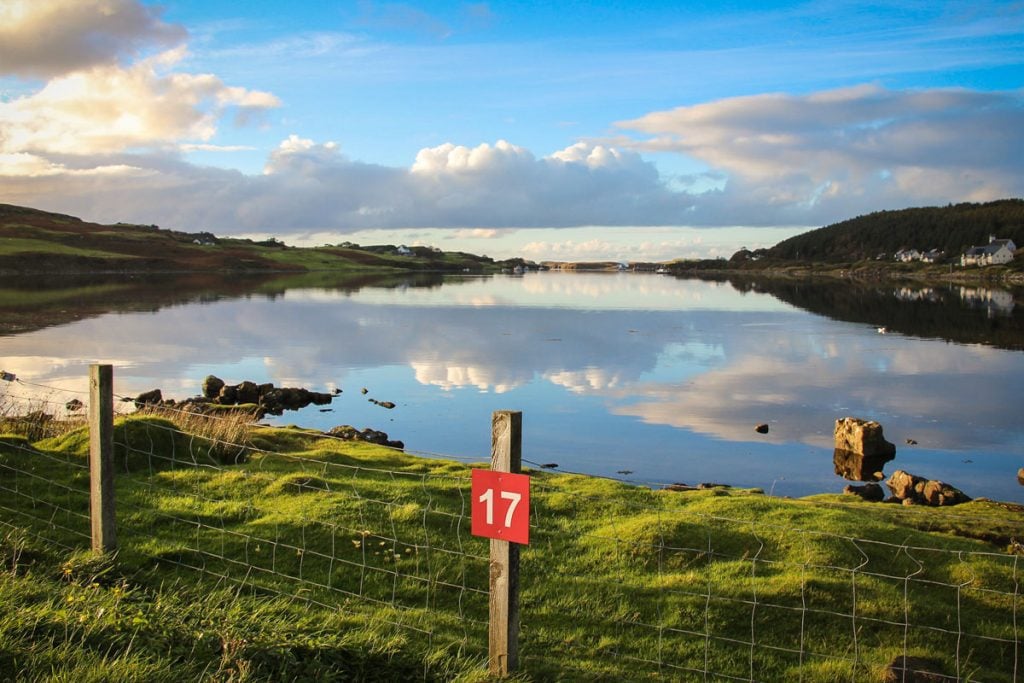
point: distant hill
(952, 229)
(34, 241)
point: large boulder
(149, 398)
(228, 395)
(911, 489)
(212, 386)
(247, 392)
(862, 436)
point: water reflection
(858, 467)
(664, 377)
(959, 313)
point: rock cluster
(860, 453)
(266, 398)
(910, 489)
(349, 433)
(270, 400)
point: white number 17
(488, 498)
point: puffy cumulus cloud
(46, 38)
(452, 159)
(302, 156)
(505, 185)
(108, 109)
(838, 153)
(308, 186)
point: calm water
(660, 377)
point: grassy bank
(282, 554)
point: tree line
(952, 229)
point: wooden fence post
(101, 458)
(503, 631)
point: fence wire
(619, 582)
(668, 589)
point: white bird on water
(882, 330)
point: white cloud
(785, 160)
(837, 153)
(44, 38)
(109, 109)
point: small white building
(908, 255)
(994, 253)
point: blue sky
(643, 130)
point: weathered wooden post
(503, 631)
(101, 458)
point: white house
(908, 255)
(994, 253)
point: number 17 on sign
(501, 506)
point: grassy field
(34, 241)
(282, 554)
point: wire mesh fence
(619, 582)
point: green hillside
(952, 229)
(34, 241)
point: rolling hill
(951, 229)
(35, 241)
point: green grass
(306, 558)
(10, 246)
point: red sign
(501, 506)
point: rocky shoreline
(860, 452)
(861, 449)
(260, 400)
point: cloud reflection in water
(611, 371)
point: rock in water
(862, 436)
